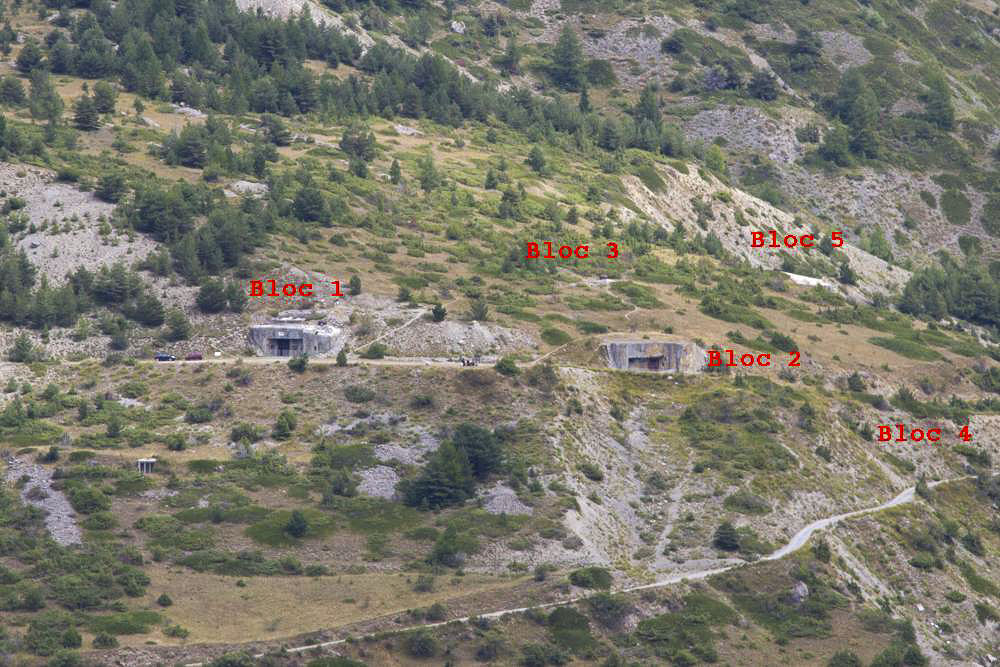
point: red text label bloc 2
(717, 358)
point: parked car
(194, 356)
(165, 357)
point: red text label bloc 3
(548, 250)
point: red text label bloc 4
(903, 433)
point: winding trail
(794, 544)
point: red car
(194, 356)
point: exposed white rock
(378, 482)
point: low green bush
(358, 394)
(571, 630)
(591, 577)
(554, 336)
(746, 502)
(956, 206)
(124, 623)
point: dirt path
(797, 542)
(392, 331)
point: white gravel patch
(77, 241)
(188, 111)
(450, 338)
(320, 14)
(248, 188)
(501, 499)
(845, 50)
(160, 494)
(378, 482)
(408, 455)
(58, 512)
(408, 131)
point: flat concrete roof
(325, 329)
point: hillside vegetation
(394, 505)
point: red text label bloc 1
(771, 239)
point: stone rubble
(501, 499)
(378, 482)
(59, 515)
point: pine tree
(726, 537)
(342, 357)
(297, 525)
(480, 446)
(111, 187)
(354, 285)
(23, 350)
(480, 310)
(855, 382)
(395, 173)
(445, 480)
(141, 70)
(573, 216)
(584, 105)
(11, 91)
(85, 116)
(342, 483)
(715, 159)
(439, 312)
(236, 298)
(45, 101)
(149, 310)
(285, 425)
(847, 275)
(763, 86)
(536, 160)
(510, 62)
(31, 57)
(275, 130)
(939, 108)
(310, 205)
(114, 426)
(858, 108)
(567, 60)
(428, 174)
(358, 142)
(836, 148)
(105, 97)
(491, 179)
(61, 57)
(806, 51)
(648, 107)
(212, 297)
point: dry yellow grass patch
(215, 609)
